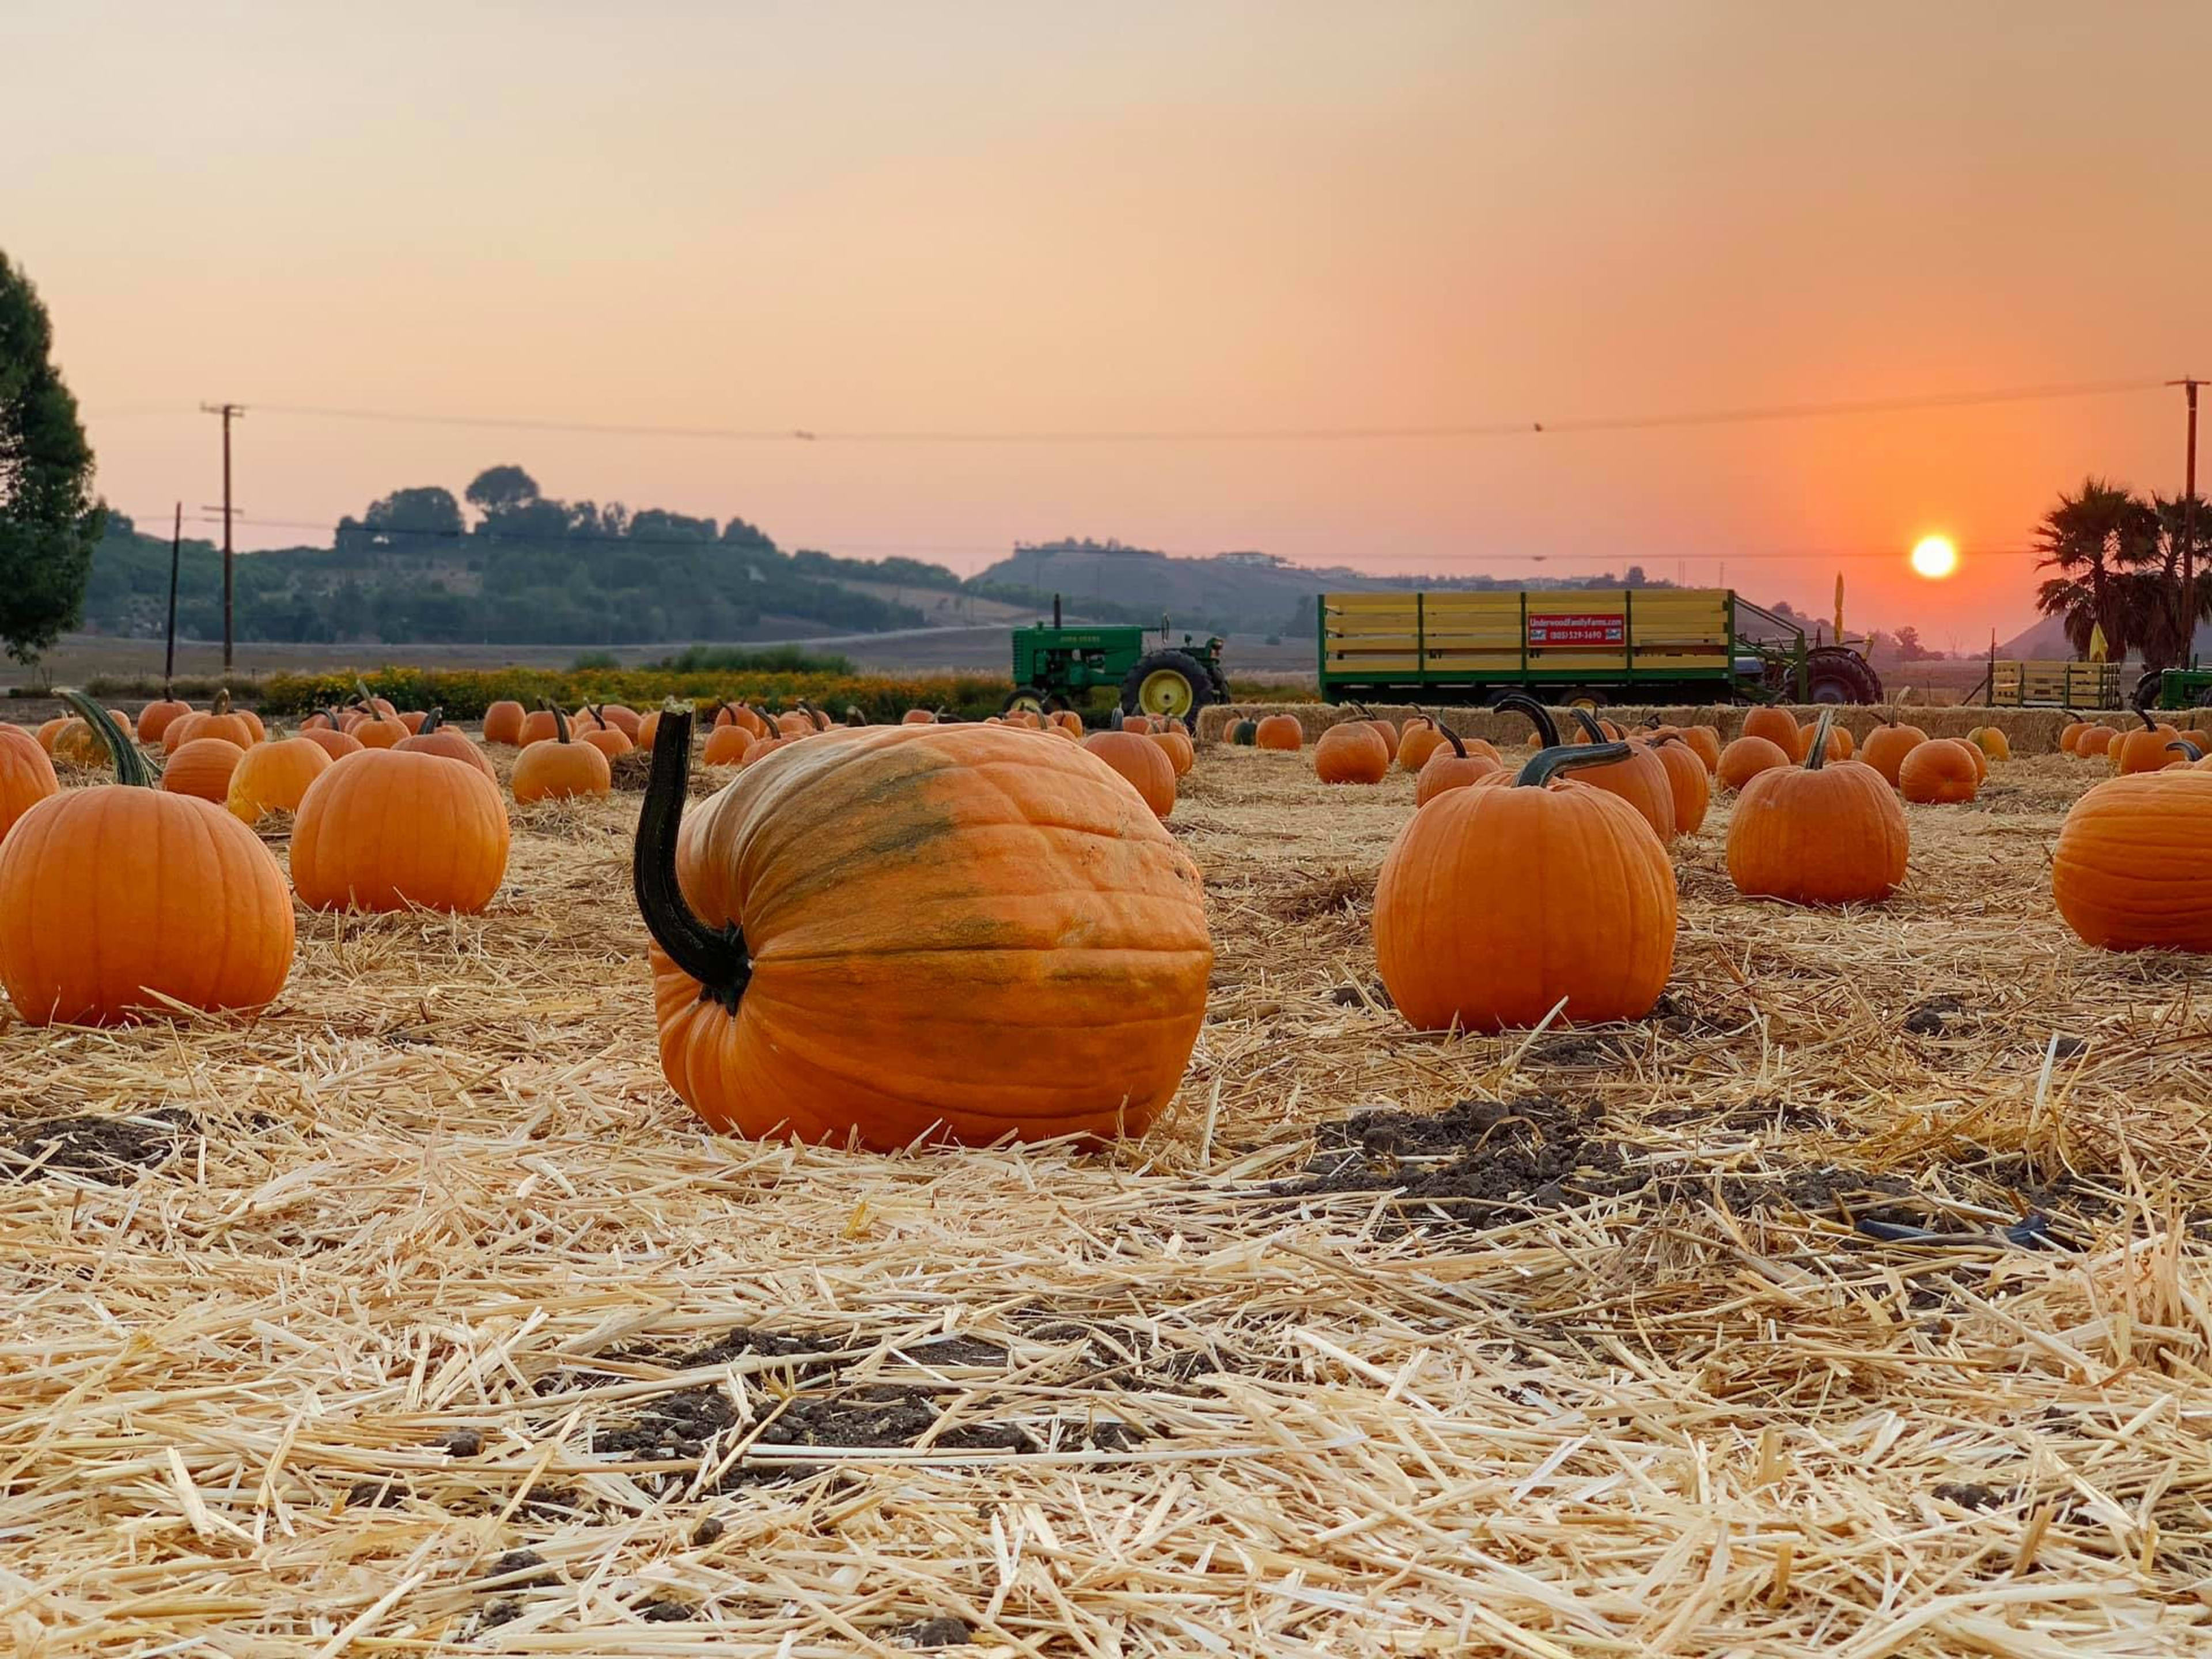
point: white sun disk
(1935, 557)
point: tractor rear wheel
(1167, 683)
(1836, 673)
(2147, 691)
(1028, 699)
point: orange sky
(1189, 216)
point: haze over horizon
(1202, 218)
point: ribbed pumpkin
(1992, 742)
(502, 723)
(1777, 725)
(1705, 742)
(451, 856)
(1840, 745)
(1974, 753)
(1068, 720)
(2133, 867)
(2070, 733)
(2094, 742)
(763, 747)
(798, 723)
(1638, 777)
(1458, 762)
(2187, 752)
(1177, 747)
(78, 743)
(1418, 739)
(331, 740)
(539, 726)
(1281, 732)
(220, 721)
(271, 777)
(1745, 758)
(1691, 784)
(1940, 772)
(737, 713)
(610, 740)
(26, 775)
(412, 718)
(1028, 943)
(648, 728)
(1496, 901)
(2143, 748)
(117, 897)
(622, 718)
(559, 767)
(202, 767)
(436, 738)
(727, 745)
(1827, 832)
(1352, 752)
(1888, 746)
(1143, 760)
(49, 730)
(154, 718)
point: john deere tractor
(1059, 667)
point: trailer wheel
(1167, 683)
(1835, 673)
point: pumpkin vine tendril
(716, 957)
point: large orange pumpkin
(436, 738)
(331, 739)
(1142, 758)
(1638, 777)
(1177, 748)
(1280, 732)
(118, 898)
(1691, 784)
(1458, 762)
(502, 723)
(271, 777)
(1352, 752)
(1827, 832)
(1777, 725)
(2094, 742)
(559, 767)
(451, 857)
(2143, 748)
(1941, 771)
(727, 745)
(220, 721)
(1746, 758)
(201, 766)
(1383, 729)
(1705, 742)
(2133, 867)
(1028, 943)
(1418, 739)
(1499, 901)
(1888, 746)
(26, 775)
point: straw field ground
(418, 1318)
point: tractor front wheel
(1026, 699)
(1167, 683)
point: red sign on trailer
(1568, 628)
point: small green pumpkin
(1244, 733)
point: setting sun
(1935, 557)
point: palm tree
(2096, 539)
(2164, 618)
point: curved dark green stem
(2187, 748)
(130, 766)
(1818, 757)
(1451, 737)
(1547, 763)
(368, 697)
(1588, 721)
(1521, 703)
(560, 720)
(2076, 713)
(432, 722)
(2149, 724)
(330, 717)
(715, 957)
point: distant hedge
(464, 694)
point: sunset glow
(1935, 557)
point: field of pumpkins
(1524, 1180)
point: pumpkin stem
(222, 705)
(560, 720)
(330, 717)
(1588, 721)
(2149, 724)
(2187, 748)
(854, 717)
(945, 716)
(1521, 703)
(1548, 763)
(1452, 738)
(367, 697)
(1817, 756)
(432, 721)
(716, 957)
(130, 766)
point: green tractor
(2175, 687)
(1058, 666)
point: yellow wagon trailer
(1577, 645)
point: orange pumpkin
(796, 723)
(1687, 777)
(918, 717)
(1418, 739)
(220, 721)
(337, 744)
(1040, 971)
(154, 718)
(1383, 729)
(1142, 758)
(1352, 752)
(1746, 758)
(539, 726)
(1941, 771)
(52, 730)
(2133, 867)
(1705, 742)
(727, 745)
(381, 731)
(1777, 725)
(762, 748)
(608, 740)
(1839, 741)
(2143, 748)
(452, 857)
(502, 723)
(622, 719)
(1499, 902)
(117, 899)
(271, 777)
(738, 715)
(1991, 741)
(1177, 747)
(1454, 764)
(202, 767)
(648, 728)
(1888, 746)
(26, 775)
(2094, 742)
(78, 743)
(1068, 720)
(2070, 733)
(1281, 732)
(1638, 777)
(1822, 833)
(559, 767)
(436, 738)
(412, 718)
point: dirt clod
(107, 1149)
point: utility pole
(229, 412)
(176, 555)
(2189, 529)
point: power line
(1572, 426)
